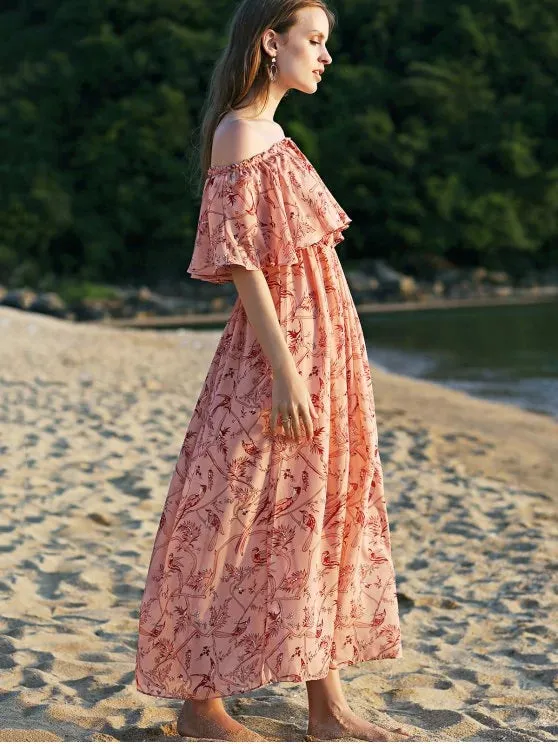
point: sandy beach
(92, 420)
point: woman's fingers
(302, 425)
(295, 424)
(308, 426)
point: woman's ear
(269, 42)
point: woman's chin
(307, 87)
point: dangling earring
(272, 69)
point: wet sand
(92, 419)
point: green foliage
(73, 291)
(434, 128)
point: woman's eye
(314, 42)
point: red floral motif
(272, 559)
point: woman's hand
(291, 399)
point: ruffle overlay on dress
(261, 211)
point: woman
(272, 558)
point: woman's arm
(257, 301)
(235, 141)
(290, 395)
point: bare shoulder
(237, 139)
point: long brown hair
(241, 66)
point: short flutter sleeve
(261, 212)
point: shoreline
(164, 322)
(521, 439)
(216, 321)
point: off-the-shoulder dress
(272, 559)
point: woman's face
(303, 52)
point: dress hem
(270, 681)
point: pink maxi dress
(272, 558)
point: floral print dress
(272, 558)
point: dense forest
(435, 128)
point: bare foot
(344, 723)
(209, 720)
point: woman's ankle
(211, 705)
